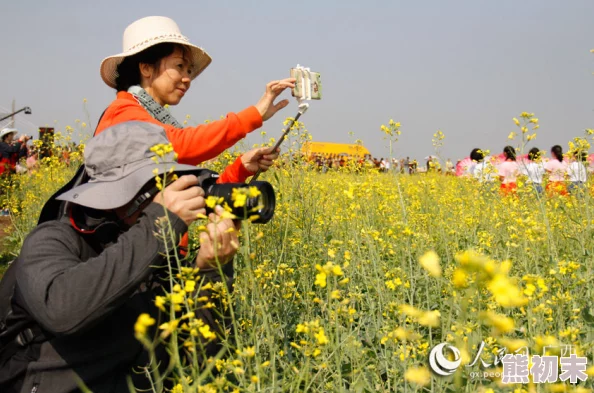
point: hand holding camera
(219, 242)
(183, 198)
(25, 138)
(186, 197)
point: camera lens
(261, 206)
(267, 201)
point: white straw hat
(6, 131)
(147, 32)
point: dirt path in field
(4, 225)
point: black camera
(260, 209)
(256, 206)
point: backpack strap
(20, 344)
(7, 287)
(17, 329)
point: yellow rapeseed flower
(337, 270)
(513, 345)
(178, 388)
(425, 318)
(212, 201)
(430, 318)
(321, 278)
(239, 198)
(248, 352)
(160, 302)
(418, 375)
(253, 192)
(459, 278)
(505, 292)
(168, 327)
(501, 323)
(177, 298)
(410, 310)
(430, 262)
(321, 337)
(190, 286)
(206, 332)
(142, 323)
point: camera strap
(140, 200)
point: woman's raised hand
(266, 105)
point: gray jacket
(87, 293)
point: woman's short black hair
(557, 151)
(477, 155)
(509, 152)
(128, 70)
(534, 154)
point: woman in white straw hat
(156, 69)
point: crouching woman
(82, 282)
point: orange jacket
(193, 145)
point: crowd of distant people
(324, 162)
(17, 156)
(559, 174)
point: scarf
(152, 107)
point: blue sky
(464, 67)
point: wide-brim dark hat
(120, 161)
